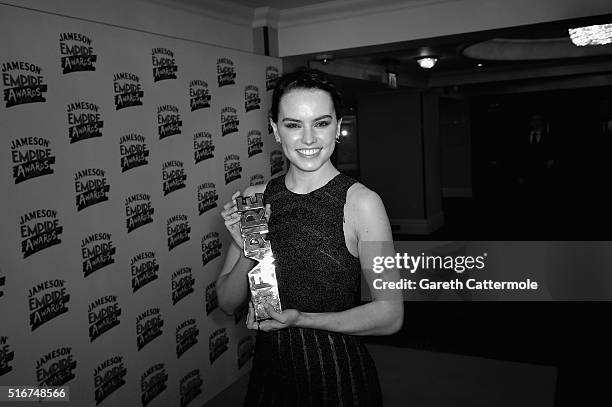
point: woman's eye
(291, 125)
(322, 124)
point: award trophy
(262, 278)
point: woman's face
(307, 127)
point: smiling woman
(318, 220)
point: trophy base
(264, 289)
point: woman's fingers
(268, 211)
(232, 221)
(272, 312)
(250, 320)
(232, 202)
(270, 325)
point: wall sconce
(391, 80)
(427, 62)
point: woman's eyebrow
(289, 119)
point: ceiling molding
(504, 74)
(217, 9)
(266, 17)
(339, 9)
(501, 49)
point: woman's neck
(303, 182)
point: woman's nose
(308, 136)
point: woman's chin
(309, 164)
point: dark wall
(391, 151)
(577, 189)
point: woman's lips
(308, 152)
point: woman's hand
(285, 319)
(232, 220)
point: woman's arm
(232, 283)
(382, 316)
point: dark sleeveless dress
(316, 273)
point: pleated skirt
(311, 367)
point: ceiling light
(479, 65)
(591, 35)
(324, 58)
(427, 62)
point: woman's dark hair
(305, 79)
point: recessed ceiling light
(427, 62)
(480, 65)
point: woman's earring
(337, 139)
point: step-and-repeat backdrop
(118, 150)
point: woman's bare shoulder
(366, 214)
(361, 198)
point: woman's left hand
(285, 319)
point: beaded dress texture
(316, 273)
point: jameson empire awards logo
(164, 65)
(138, 211)
(97, 251)
(148, 327)
(251, 98)
(276, 162)
(133, 150)
(23, 83)
(6, 356)
(203, 146)
(103, 315)
(241, 313)
(47, 300)
(226, 73)
(217, 344)
(199, 96)
(229, 121)
(169, 121)
(182, 284)
(152, 383)
(2, 282)
(91, 187)
(190, 387)
(55, 368)
(32, 157)
(271, 77)
(211, 247)
(186, 336)
(77, 53)
(232, 168)
(246, 349)
(178, 230)
(255, 144)
(84, 121)
(144, 269)
(256, 179)
(39, 230)
(128, 90)
(212, 302)
(207, 197)
(173, 176)
(108, 377)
